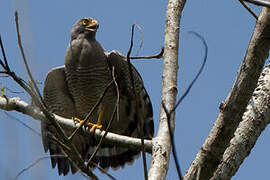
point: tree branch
(248, 9)
(161, 144)
(232, 109)
(259, 3)
(255, 119)
(16, 104)
(140, 122)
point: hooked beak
(93, 26)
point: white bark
(16, 104)
(161, 143)
(255, 119)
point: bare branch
(16, 104)
(248, 9)
(22, 123)
(255, 120)
(168, 114)
(176, 162)
(25, 61)
(161, 144)
(141, 38)
(5, 66)
(156, 56)
(232, 109)
(34, 163)
(259, 3)
(199, 72)
(137, 103)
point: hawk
(73, 89)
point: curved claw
(93, 126)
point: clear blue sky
(45, 28)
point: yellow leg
(98, 124)
(93, 125)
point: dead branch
(248, 9)
(259, 3)
(140, 122)
(161, 144)
(16, 104)
(25, 61)
(255, 120)
(155, 56)
(232, 109)
(186, 92)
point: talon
(94, 127)
(77, 120)
(89, 124)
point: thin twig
(5, 66)
(198, 74)
(34, 163)
(141, 43)
(104, 171)
(137, 107)
(17, 79)
(116, 108)
(22, 123)
(249, 9)
(55, 140)
(25, 61)
(156, 56)
(177, 165)
(14, 92)
(259, 3)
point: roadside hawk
(73, 89)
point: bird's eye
(84, 22)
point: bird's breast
(87, 85)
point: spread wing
(59, 101)
(113, 156)
(117, 60)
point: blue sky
(45, 28)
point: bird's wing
(123, 79)
(59, 101)
(113, 156)
(56, 93)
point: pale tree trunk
(161, 143)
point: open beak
(93, 26)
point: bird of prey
(73, 89)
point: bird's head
(86, 26)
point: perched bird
(73, 89)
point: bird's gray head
(86, 26)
